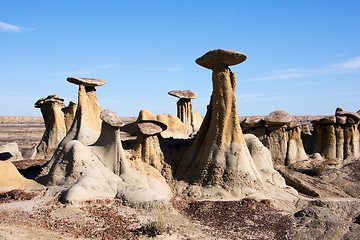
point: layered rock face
(336, 137)
(280, 135)
(219, 162)
(185, 110)
(52, 108)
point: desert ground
(39, 215)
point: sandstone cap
(325, 121)
(340, 112)
(187, 94)
(50, 98)
(151, 127)
(278, 118)
(111, 118)
(217, 57)
(87, 82)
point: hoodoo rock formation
(88, 169)
(280, 135)
(175, 128)
(336, 137)
(185, 110)
(55, 129)
(69, 114)
(218, 163)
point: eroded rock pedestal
(219, 163)
(57, 119)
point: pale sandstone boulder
(175, 128)
(10, 151)
(11, 179)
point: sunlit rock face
(219, 164)
(336, 137)
(280, 135)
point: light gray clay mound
(149, 127)
(278, 118)
(111, 118)
(217, 57)
(87, 82)
(187, 94)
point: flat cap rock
(217, 57)
(111, 118)
(325, 121)
(151, 127)
(278, 118)
(87, 82)
(187, 94)
(352, 115)
(50, 98)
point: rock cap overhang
(278, 118)
(111, 118)
(87, 82)
(151, 127)
(218, 57)
(186, 94)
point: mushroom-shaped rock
(108, 147)
(101, 170)
(185, 108)
(218, 163)
(278, 118)
(86, 126)
(218, 57)
(55, 129)
(148, 146)
(87, 82)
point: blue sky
(303, 56)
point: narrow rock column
(325, 137)
(108, 147)
(218, 155)
(55, 130)
(185, 108)
(69, 114)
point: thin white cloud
(108, 66)
(165, 69)
(75, 73)
(5, 27)
(350, 66)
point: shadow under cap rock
(108, 147)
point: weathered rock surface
(218, 164)
(11, 179)
(175, 128)
(10, 151)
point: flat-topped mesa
(108, 147)
(185, 108)
(55, 130)
(218, 164)
(283, 138)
